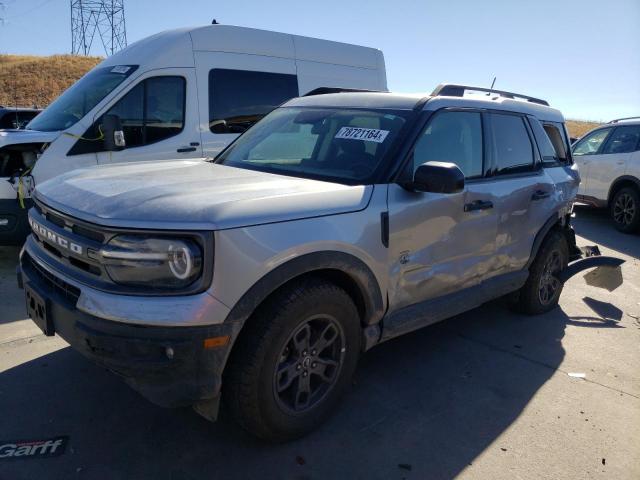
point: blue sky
(581, 55)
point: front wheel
(542, 289)
(625, 210)
(293, 361)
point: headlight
(152, 262)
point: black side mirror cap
(113, 134)
(438, 177)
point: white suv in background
(609, 162)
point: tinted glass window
(547, 150)
(623, 140)
(454, 137)
(590, 144)
(512, 145)
(151, 111)
(239, 98)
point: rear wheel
(294, 361)
(625, 209)
(542, 290)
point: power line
(102, 19)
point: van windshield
(80, 98)
(331, 144)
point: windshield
(80, 98)
(345, 146)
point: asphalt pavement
(486, 395)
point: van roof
(174, 48)
(398, 101)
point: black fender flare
(358, 272)
(551, 222)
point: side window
(548, 152)
(454, 137)
(590, 144)
(623, 140)
(557, 140)
(239, 98)
(511, 142)
(152, 111)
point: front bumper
(170, 366)
(14, 225)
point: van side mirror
(113, 134)
(438, 177)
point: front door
(159, 116)
(586, 154)
(441, 243)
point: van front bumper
(14, 226)
(170, 366)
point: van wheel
(293, 361)
(542, 289)
(625, 210)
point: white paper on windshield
(366, 134)
(120, 69)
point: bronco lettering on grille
(54, 238)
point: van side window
(512, 145)
(454, 137)
(239, 98)
(152, 111)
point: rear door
(442, 243)
(524, 194)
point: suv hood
(194, 195)
(12, 137)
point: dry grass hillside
(578, 128)
(29, 80)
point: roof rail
(622, 119)
(323, 90)
(453, 90)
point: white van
(183, 93)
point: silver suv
(336, 223)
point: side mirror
(219, 126)
(113, 134)
(438, 177)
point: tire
(280, 337)
(552, 257)
(625, 210)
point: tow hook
(607, 273)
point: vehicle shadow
(595, 225)
(431, 402)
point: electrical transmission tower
(97, 18)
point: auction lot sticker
(366, 134)
(16, 449)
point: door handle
(478, 205)
(186, 149)
(540, 194)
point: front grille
(67, 290)
(70, 224)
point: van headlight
(151, 261)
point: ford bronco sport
(337, 222)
